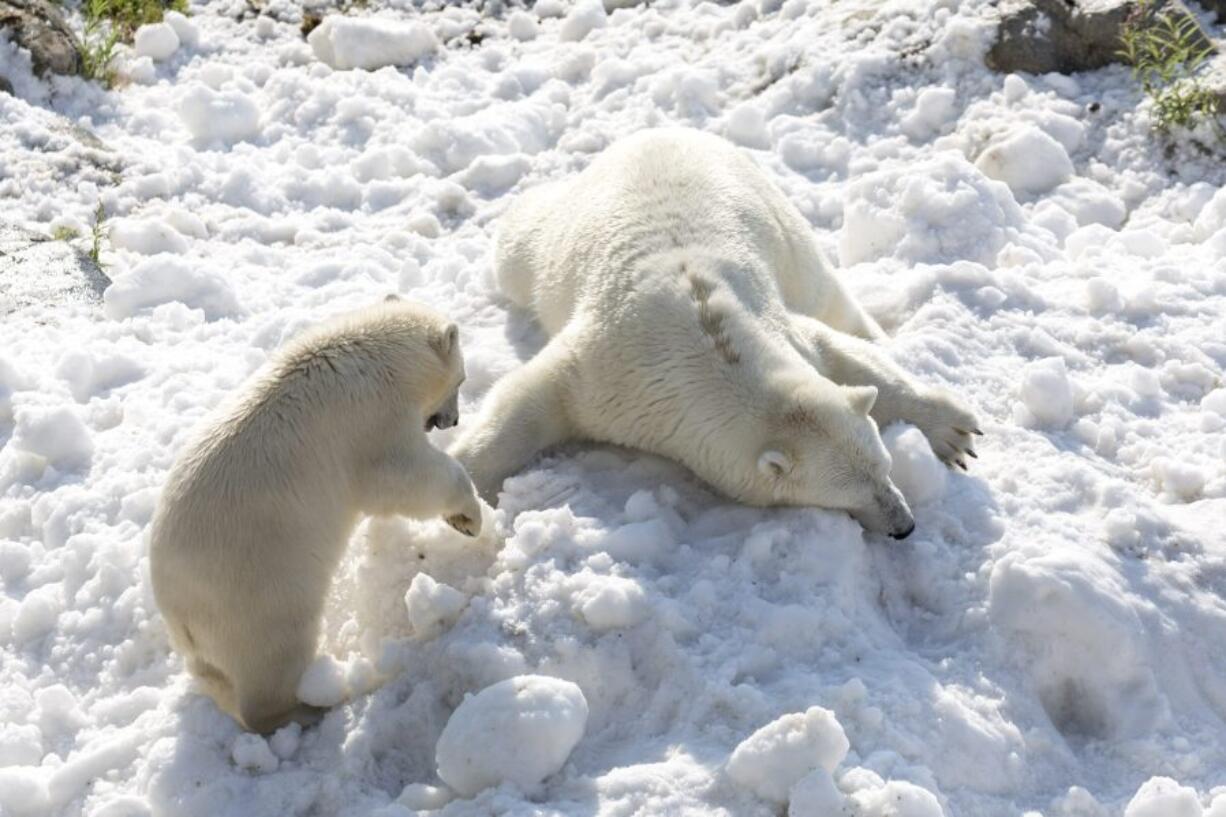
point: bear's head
(821, 448)
(432, 365)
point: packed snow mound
(163, 278)
(345, 42)
(1029, 161)
(939, 210)
(520, 730)
(916, 471)
(219, 117)
(774, 758)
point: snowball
(370, 42)
(432, 606)
(934, 108)
(1214, 401)
(1029, 161)
(746, 126)
(421, 797)
(146, 236)
(157, 41)
(1163, 797)
(163, 278)
(323, 683)
(252, 752)
(771, 760)
(612, 602)
(1047, 393)
(55, 433)
(522, 26)
(915, 470)
(897, 798)
(584, 18)
(937, 211)
(186, 30)
(815, 795)
(218, 116)
(520, 730)
(284, 742)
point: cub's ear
(774, 464)
(862, 398)
(446, 341)
(391, 296)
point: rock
(39, 26)
(35, 269)
(1065, 36)
(6, 87)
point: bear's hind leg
(266, 688)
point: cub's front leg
(419, 481)
(850, 361)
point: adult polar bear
(693, 316)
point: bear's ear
(391, 296)
(446, 341)
(862, 398)
(774, 464)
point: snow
(157, 41)
(1164, 797)
(774, 758)
(520, 730)
(1048, 641)
(370, 42)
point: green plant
(64, 233)
(1166, 51)
(109, 22)
(97, 233)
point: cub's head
(821, 448)
(431, 362)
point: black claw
(971, 453)
(977, 431)
(961, 464)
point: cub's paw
(949, 426)
(468, 525)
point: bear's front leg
(851, 361)
(422, 482)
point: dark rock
(1040, 36)
(6, 87)
(1218, 7)
(35, 269)
(39, 25)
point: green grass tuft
(1166, 52)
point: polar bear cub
(258, 507)
(692, 315)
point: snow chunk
(771, 760)
(520, 730)
(432, 606)
(323, 683)
(56, 434)
(934, 108)
(184, 28)
(157, 41)
(1047, 393)
(915, 470)
(163, 278)
(370, 42)
(23, 791)
(612, 602)
(1214, 401)
(1029, 161)
(88, 374)
(522, 26)
(1212, 216)
(147, 236)
(1163, 797)
(937, 211)
(584, 18)
(252, 752)
(746, 126)
(422, 797)
(494, 175)
(218, 116)
(897, 798)
(37, 613)
(815, 795)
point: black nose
(904, 533)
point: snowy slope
(1051, 638)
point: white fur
(692, 315)
(259, 506)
